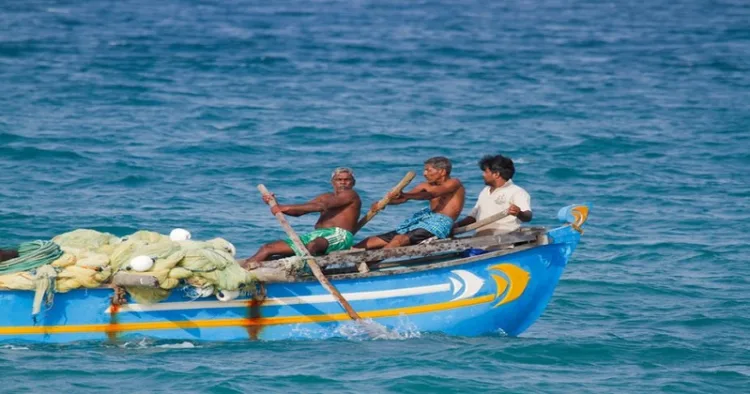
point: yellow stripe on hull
(221, 323)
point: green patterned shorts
(338, 239)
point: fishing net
(88, 259)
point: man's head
(437, 168)
(496, 168)
(342, 178)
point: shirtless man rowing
(339, 212)
(446, 197)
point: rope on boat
(31, 255)
(44, 280)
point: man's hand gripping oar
(307, 256)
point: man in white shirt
(500, 195)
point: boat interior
(358, 263)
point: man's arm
(470, 218)
(520, 206)
(524, 216)
(448, 187)
(465, 221)
(400, 199)
(319, 204)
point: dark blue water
(127, 115)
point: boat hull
(498, 292)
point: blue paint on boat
(502, 291)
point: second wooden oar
(384, 201)
(309, 258)
(480, 223)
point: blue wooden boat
(503, 288)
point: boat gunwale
(541, 240)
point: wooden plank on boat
(269, 275)
(125, 279)
(480, 223)
(436, 247)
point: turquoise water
(125, 115)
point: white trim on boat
(295, 300)
(468, 282)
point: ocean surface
(127, 115)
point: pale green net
(88, 259)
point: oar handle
(284, 223)
(485, 221)
(385, 200)
(317, 272)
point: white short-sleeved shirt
(499, 200)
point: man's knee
(265, 249)
(373, 242)
(317, 246)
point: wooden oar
(485, 221)
(310, 260)
(384, 201)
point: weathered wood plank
(480, 223)
(437, 247)
(125, 279)
(270, 275)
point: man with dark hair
(339, 212)
(446, 197)
(500, 195)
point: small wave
(7, 138)
(148, 343)
(12, 347)
(563, 173)
(36, 154)
(368, 329)
(183, 345)
(139, 344)
(132, 180)
(58, 11)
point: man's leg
(376, 241)
(397, 241)
(317, 246)
(266, 251)
(413, 237)
(371, 243)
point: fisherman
(339, 212)
(500, 195)
(446, 197)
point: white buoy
(141, 263)
(232, 250)
(227, 295)
(179, 234)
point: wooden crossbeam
(355, 256)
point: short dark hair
(498, 164)
(441, 163)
